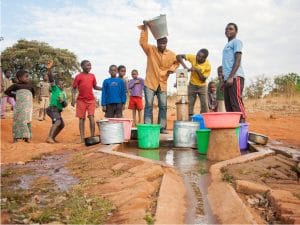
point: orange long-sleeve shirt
(158, 64)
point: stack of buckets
(202, 134)
(242, 135)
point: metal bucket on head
(111, 132)
(158, 26)
(184, 134)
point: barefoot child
(212, 97)
(136, 87)
(113, 94)
(85, 82)
(23, 92)
(43, 97)
(58, 101)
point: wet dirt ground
(45, 190)
(82, 187)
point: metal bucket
(184, 134)
(158, 26)
(182, 110)
(111, 132)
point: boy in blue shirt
(233, 72)
(113, 94)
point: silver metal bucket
(111, 132)
(158, 26)
(184, 134)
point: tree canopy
(33, 56)
(285, 84)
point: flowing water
(48, 166)
(194, 169)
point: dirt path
(280, 126)
(283, 128)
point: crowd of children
(52, 99)
(117, 88)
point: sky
(105, 31)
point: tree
(259, 87)
(33, 56)
(287, 84)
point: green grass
(45, 216)
(36, 157)
(87, 210)
(117, 173)
(295, 169)
(15, 198)
(244, 171)
(296, 195)
(8, 172)
(149, 219)
(226, 176)
(78, 208)
(202, 170)
(266, 175)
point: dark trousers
(54, 113)
(114, 110)
(233, 96)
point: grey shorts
(54, 113)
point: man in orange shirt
(161, 62)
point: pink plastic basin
(127, 123)
(221, 119)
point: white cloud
(105, 31)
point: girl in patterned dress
(23, 92)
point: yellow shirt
(204, 67)
(158, 64)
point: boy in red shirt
(85, 82)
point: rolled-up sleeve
(144, 41)
(174, 66)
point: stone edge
(236, 204)
(162, 200)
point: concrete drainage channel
(209, 200)
(194, 170)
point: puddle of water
(194, 168)
(51, 167)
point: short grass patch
(149, 218)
